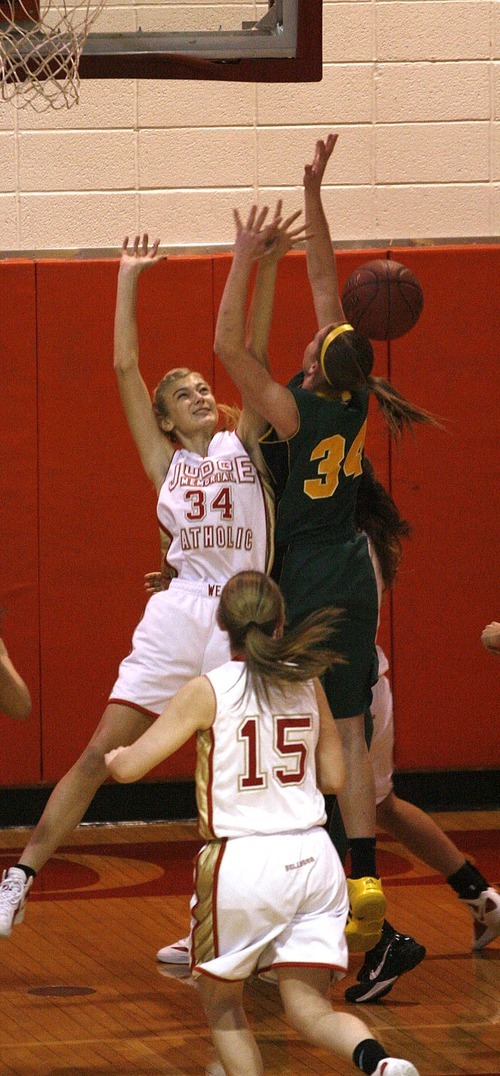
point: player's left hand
(110, 755)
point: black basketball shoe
(390, 957)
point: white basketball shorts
(177, 638)
(268, 901)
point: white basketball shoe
(13, 896)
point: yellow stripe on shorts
(204, 935)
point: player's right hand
(140, 256)
(490, 637)
(154, 582)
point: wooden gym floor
(81, 991)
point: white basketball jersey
(216, 511)
(256, 767)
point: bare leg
(76, 790)
(420, 834)
(357, 799)
(305, 993)
(231, 1034)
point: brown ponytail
(398, 412)
(347, 364)
(251, 609)
(379, 517)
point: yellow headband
(345, 328)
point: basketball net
(40, 49)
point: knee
(303, 1009)
(91, 763)
(387, 810)
(223, 1007)
(223, 1013)
(306, 1019)
(352, 735)
(295, 1015)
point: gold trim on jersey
(269, 514)
(204, 936)
(204, 779)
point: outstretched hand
(140, 256)
(252, 239)
(281, 236)
(313, 173)
(256, 240)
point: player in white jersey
(216, 516)
(269, 887)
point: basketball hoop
(40, 46)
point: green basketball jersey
(316, 472)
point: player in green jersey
(314, 450)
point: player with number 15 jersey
(237, 793)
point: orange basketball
(383, 299)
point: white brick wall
(413, 87)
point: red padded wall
(78, 515)
(20, 751)
(446, 483)
(98, 529)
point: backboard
(47, 46)
(272, 41)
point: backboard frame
(284, 46)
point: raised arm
(153, 446)
(280, 237)
(260, 393)
(15, 700)
(190, 709)
(321, 263)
